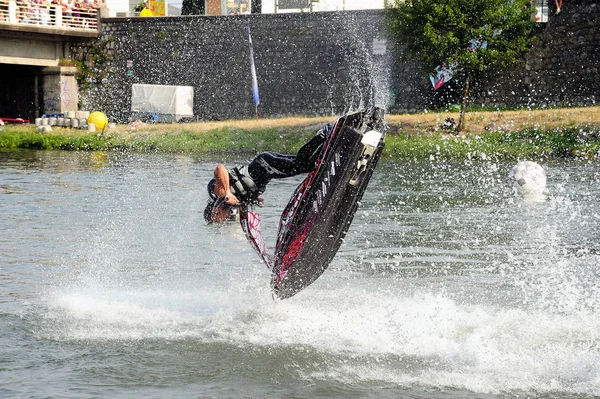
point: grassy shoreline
(533, 134)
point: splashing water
(447, 285)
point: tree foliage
(438, 32)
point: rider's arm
(222, 189)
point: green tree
(439, 32)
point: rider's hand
(231, 199)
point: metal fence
(67, 14)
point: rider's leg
(309, 153)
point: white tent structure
(162, 103)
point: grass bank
(533, 134)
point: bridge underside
(29, 91)
(20, 96)
(32, 82)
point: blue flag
(253, 70)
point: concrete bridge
(35, 43)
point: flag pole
(255, 94)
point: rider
(243, 185)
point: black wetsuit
(249, 182)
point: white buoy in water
(528, 178)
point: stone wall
(560, 70)
(324, 64)
(310, 63)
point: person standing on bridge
(67, 11)
(3, 10)
(44, 12)
(25, 13)
(34, 8)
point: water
(448, 286)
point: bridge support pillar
(61, 93)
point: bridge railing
(44, 13)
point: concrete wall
(17, 51)
(324, 63)
(60, 89)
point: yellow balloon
(98, 119)
(146, 13)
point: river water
(448, 286)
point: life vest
(242, 185)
